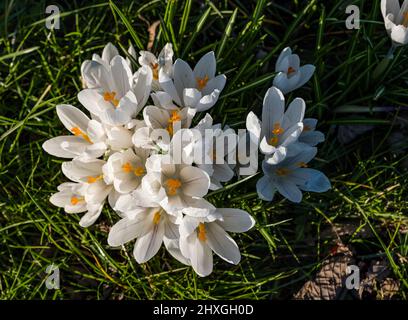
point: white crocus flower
(120, 96)
(198, 88)
(278, 129)
(150, 224)
(163, 63)
(88, 140)
(213, 150)
(291, 177)
(177, 187)
(396, 20)
(291, 75)
(200, 237)
(126, 169)
(92, 172)
(71, 197)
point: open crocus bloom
(396, 20)
(198, 88)
(200, 237)
(120, 96)
(291, 75)
(291, 177)
(150, 225)
(93, 173)
(88, 140)
(278, 129)
(176, 187)
(126, 169)
(71, 197)
(164, 63)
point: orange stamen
(202, 233)
(155, 70)
(78, 133)
(75, 200)
(110, 97)
(92, 179)
(202, 82)
(290, 71)
(282, 172)
(156, 218)
(172, 186)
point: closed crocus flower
(163, 63)
(88, 137)
(291, 75)
(198, 88)
(291, 177)
(71, 197)
(396, 20)
(278, 128)
(200, 237)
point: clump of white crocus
(163, 63)
(278, 128)
(396, 20)
(198, 88)
(292, 176)
(291, 75)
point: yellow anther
(156, 218)
(405, 21)
(172, 186)
(174, 117)
(282, 172)
(277, 129)
(75, 200)
(202, 82)
(202, 233)
(307, 128)
(92, 179)
(128, 168)
(110, 97)
(302, 164)
(79, 133)
(155, 70)
(290, 71)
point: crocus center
(202, 82)
(79, 133)
(405, 21)
(93, 179)
(302, 164)
(156, 217)
(110, 97)
(306, 128)
(291, 70)
(155, 70)
(76, 200)
(137, 171)
(172, 186)
(276, 132)
(202, 233)
(174, 117)
(282, 172)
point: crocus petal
(109, 52)
(183, 76)
(173, 248)
(167, 84)
(215, 83)
(191, 97)
(222, 244)
(65, 146)
(295, 112)
(399, 34)
(289, 190)
(306, 73)
(266, 190)
(149, 244)
(283, 55)
(89, 218)
(121, 75)
(205, 67)
(72, 117)
(208, 101)
(235, 220)
(272, 111)
(195, 182)
(312, 180)
(127, 229)
(199, 254)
